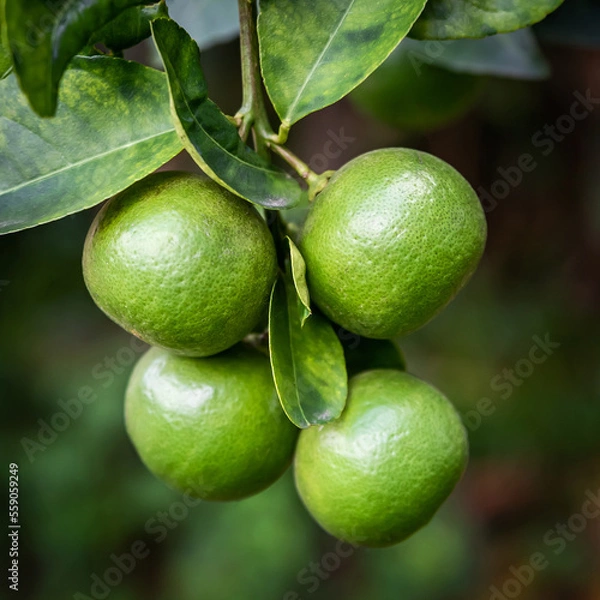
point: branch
(253, 111)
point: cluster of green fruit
(188, 267)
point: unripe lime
(382, 470)
(391, 240)
(211, 427)
(410, 94)
(180, 262)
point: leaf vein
(319, 59)
(85, 161)
(294, 368)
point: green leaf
(307, 362)
(514, 55)
(208, 135)
(112, 127)
(131, 27)
(44, 36)
(298, 271)
(5, 58)
(209, 22)
(314, 52)
(5, 63)
(364, 354)
(576, 22)
(455, 19)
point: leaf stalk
(253, 117)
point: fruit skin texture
(416, 96)
(211, 427)
(180, 262)
(391, 240)
(381, 471)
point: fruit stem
(295, 162)
(252, 112)
(316, 182)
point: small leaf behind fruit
(515, 55)
(456, 19)
(207, 134)
(307, 362)
(112, 128)
(298, 271)
(44, 37)
(314, 52)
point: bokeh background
(86, 499)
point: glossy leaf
(44, 36)
(131, 27)
(576, 22)
(208, 135)
(112, 127)
(298, 271)
(514, 55)
(209, 22)
(307, 362)
(364, 354)
(455, 19)
(314, 52)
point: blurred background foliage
(85, 496)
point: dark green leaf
(298, 271)
(364, 354)
(44, 36)
(5, 58)
(112, 127)
(576, 22)
(209, 22)
(307, 362)
(5, 64)
(208, 135)
(455, 19)
(314, 52)
(131, 27)
(515, 55)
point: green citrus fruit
(212, 427)
(391, 240)
(382, 470)
(180, 262)
(415, 96)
